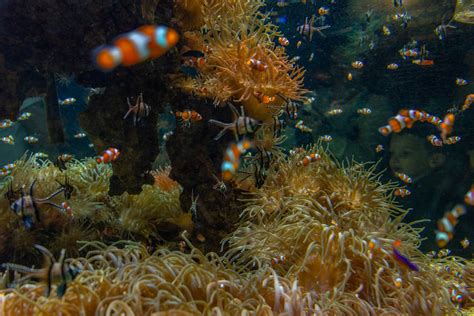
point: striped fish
(241, 126)
(447, 223)
(108, 156)
(231, 161)
(146, 42)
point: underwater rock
(195, 157)
(50, 36)
(139, 145)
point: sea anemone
(334, 225)
(163, 180)
(303, 246)
(231, 42)
(139, 215)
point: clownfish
(469, 197)
(310, 158)
(446, 127)
(465, 243)
(326, 138)
(281, 259)
(109, 155)
(302, 127)
(24, 116)
(392, 66)
(9, 140)
(434, 140)
(364, 111)
(323, 11)
(67, 101)
(468, 101)
(334, 112)
(404, 177)
(6, 123)
(423, 62)
(415, 115)
(398, 282)
(30, 139)
(188, 116)
(401, 192)
(461, 82)
(143, 43)
(357, 64)
(67, 209)
(447, 223)
(452, 140)
(395, 124)
(7, 169)
(283, 41)
(433, 120)
(263, 98)
(231, 161)
(256, 64)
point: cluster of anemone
(335, 226)
(229, 43)
(95, 214)
(313, 239)
(192, 15)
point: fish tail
(18, 268)
(224, 126)
(128, 113)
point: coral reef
(313, 239)
(95, 214)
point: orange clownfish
(283, 41)
(109, 155)
(311, 158)
(256, 64)
(323, 11)
(357, 64)
(281, 259)
(263, 98)
(67, 209)
(433, 120)
(396, 124)
(414, 115)
(452, 140)
(401, 192)
(469, 197)
(404, 177)
(469, 100)
(434, 140)
(145, 42)
(188, 116)
(231, 161)
(423, 62)
(447, 223)
(446, 127)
